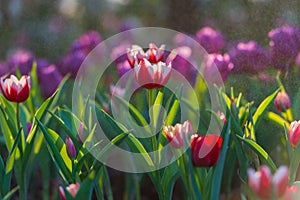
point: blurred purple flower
(49, 79)
(3, 68)
(212, 40)
(284, 46)
(181, 64)
(217, 68)
(86, 42)
(123, 67)
(118, 54)
(248, 57)
(21, 59)
(71, 63)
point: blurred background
(47, 28)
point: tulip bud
(15, 90)
(72, 189)
(80, 132)
(177, 135)
(282, 102)
(70, 148)
(205, 150)
(294, 133)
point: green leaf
(12, 153)
(171, 174)
(173, 112)
(276, 119)
(294, 163)
(262, 108)
(11, 193)
(106, 150)
(264, 156)
(136, 145)
(58, 152)
(218, 173)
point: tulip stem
(18, 116)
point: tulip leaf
(260, 152)
(262, 108)
(11, 193)
(67, 124)
(12, 153)
(57, 150)
(173, 112)
(138, 117)
(218, 173)
(294, 163)
(105, 151)
(171, 174)
(276, 119)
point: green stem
(18, 116)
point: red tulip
(205, 150)
(70, 148)
(263, 184)
(136, 54)
(72, 189)
(15, 90)
(152, 76)
(177, 135)
(282, 101)
(294, 133)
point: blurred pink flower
(72, 189)
(282, 102)
(294, 133)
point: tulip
(136, 54)
(282, 101)
(205, 150)
(15, 90)
(222, 116)
(217, 64)
(291, 193)
(263, 184)
(284, 46)
(248, 57)
(21, 59)
(212, 40)
(72, 189)
(177, 135)
(294, 133)
(152, 76)
(70, 148)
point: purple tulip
(216, 64)
(86, 42)
(21, 59)
(212, 40)
(71, 63)
(49, 79)
(248, 57)
(183, 66)
(284, 46)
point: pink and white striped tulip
(178, 135)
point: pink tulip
(72, 189)
(282, 102)
(152, 76)
(294, 133)
(177, 135)
(263, 184)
